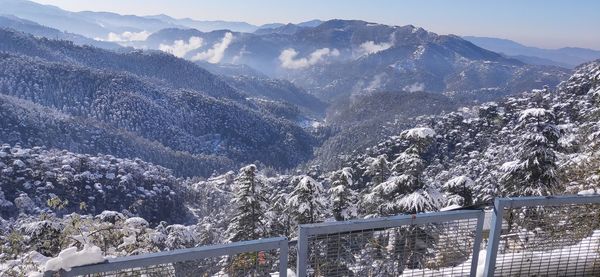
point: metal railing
(545, 236)
(430, 244)
(246, 258)
(529, 236)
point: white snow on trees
(421, 132)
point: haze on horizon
(539, 23)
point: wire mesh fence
(266, 257)
(440, 244)
(545, 237)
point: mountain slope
(278, 90)
(110, 26)
(156, 65)
(29, 124)
(180, 119)
(366, 119)
(568, 57)
(89, 24)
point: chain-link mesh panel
(434, 249)
(550, 241)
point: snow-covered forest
(118, 151)
(543, 142)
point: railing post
(302, 265)
(494, 239)
(283, 258)
(477, 243)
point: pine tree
(377, 169)
(459, 191)
(406, 191)
(250, 205)
(306, 203)
(343, 197)
(533, 173)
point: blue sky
(542, 23)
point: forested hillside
(139, 134)
(189, 125)
(543, 142)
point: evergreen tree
(533, 173)
(377, 169)
(343, 197)
(250, 206)
(306, 203)
(459, 191)
(406, 191)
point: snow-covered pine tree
(376, 169)
(533, 173)
(337, 254)
(343, 197)
(248, 222)
(307, 203)
(459, 191)
(250, 206)
(406, 191)
(279, 222)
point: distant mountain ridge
(568, 57)
(123, 27)
(339, 58)
(30, 27)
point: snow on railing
(246, 258)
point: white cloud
(180, 48)
(415, 87)
(370, 47)
(216, 53)
(128, 36)
(288, 58)
(376, 83)
(240, 55)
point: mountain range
(568, 57)
(126, 132)
(219, 94)
(341, 58)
